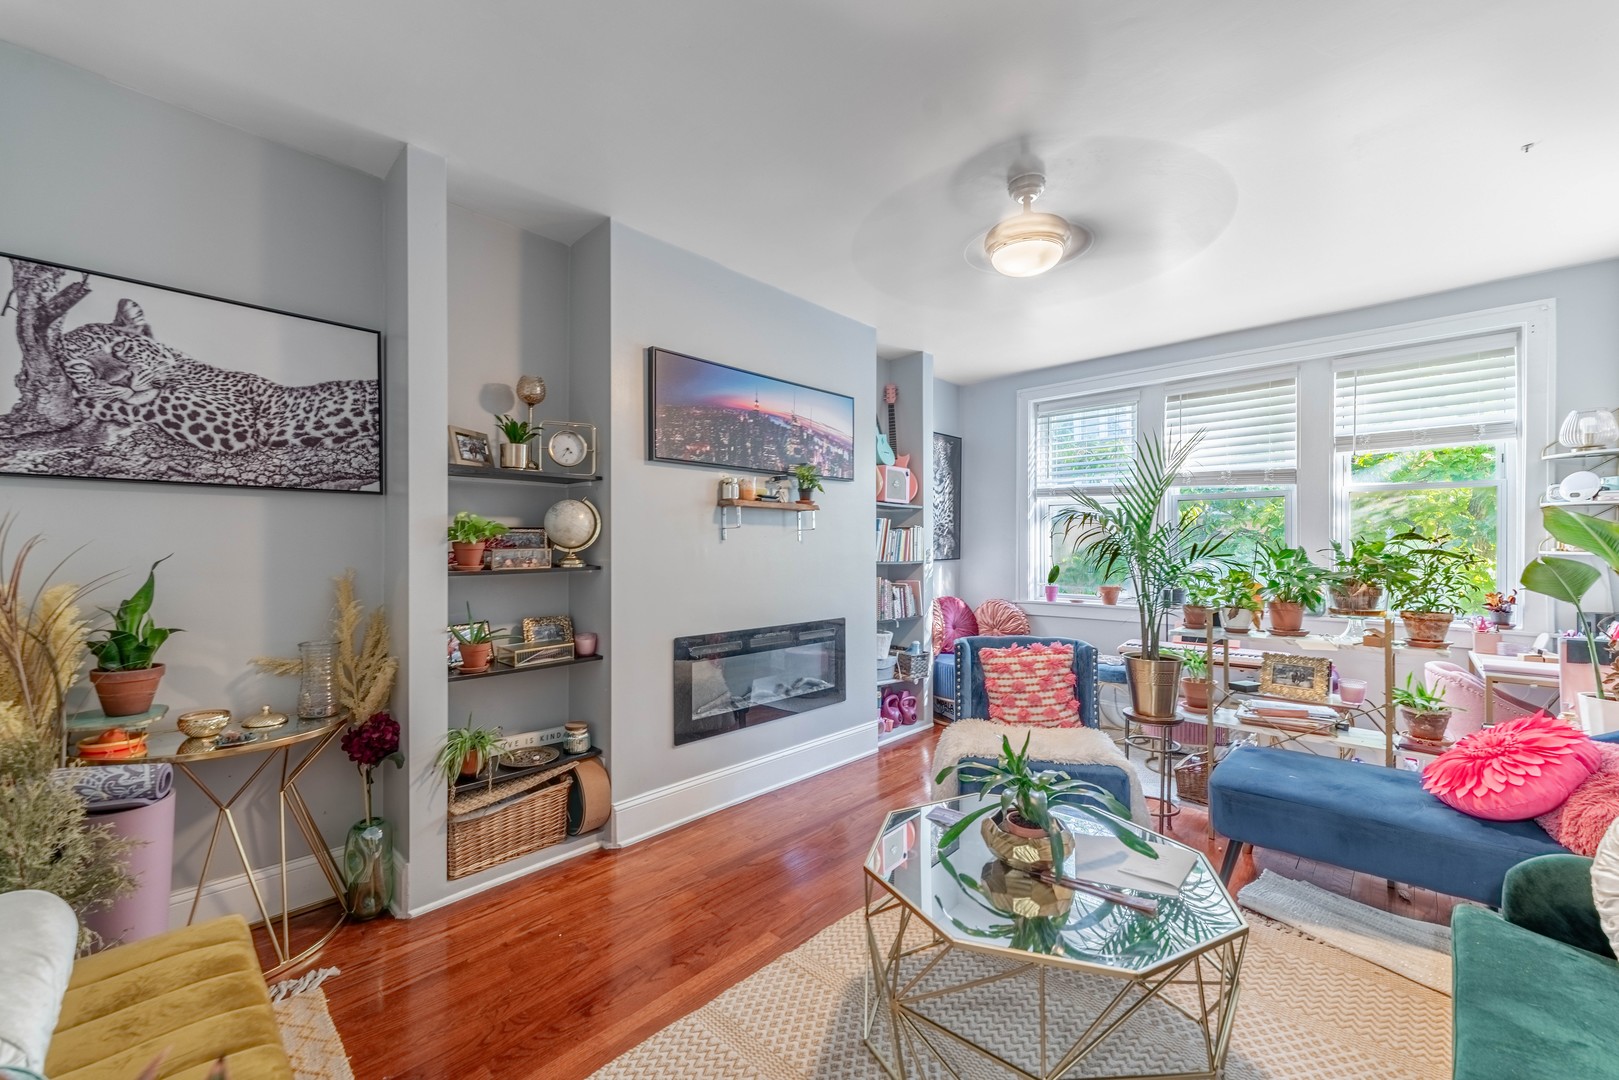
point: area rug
(1418, 950)
(313, 1045)
(1306, 1011)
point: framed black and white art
(946, 496)
(106, 378)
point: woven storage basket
(1192, 779)
(912, 665)
(490, 826)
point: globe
(572, 524)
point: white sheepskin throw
(1065, 746)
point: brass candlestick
(531, 391)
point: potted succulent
(1423, 709)
(519, 433)
(1051, 583)
(1195, 683)
(125, 675)
(1501, 606)
(1292, 584)
(1360, 573)
(808, 478)
(1426, 584)
(467, 750)
(469, 534)
(1201, 588)
(476, 641)
(1238, 595)
(1023, 833)
(1122, 533)
(1568, 580)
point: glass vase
(368, 868)
(317, 691)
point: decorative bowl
(203, 723)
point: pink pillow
(952, 619)
(1000, 618)
(1582, 820)
(1031, 684)
(1515, 770)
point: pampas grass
(364, 672)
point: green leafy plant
(468, 528)
(1419, 698)
(1287, 575)
(1427, 573)
(1366, 563)
(809, 479)
(132, 640)
(1202, 585)
(474, 631)
(1568, 580)
(1194, 665)
(1123, 533)
(459, 742)
(516, 431)
(1238, 588)
(1053, 574)
(1030, 795)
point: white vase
(1598, 715)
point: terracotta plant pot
(1195, 692)
(1018, 846)
(475, 658)
(1237, 620)
(1426, 627)
(472, 764)
(1357, 597)
(127, 693)
(469, 556)
(1110, 594)
(1195, 616)
(1426, 726)
(1286, 617)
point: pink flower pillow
(1520, 769)
(1580, 823)
(1031, 684)
(952, 619)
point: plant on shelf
(469, 534)
(1424, 710)
(1500, 607)
(126, 674)
(1360, 573)
(476, 642)
(808, 478)
(1122, 532)
(1292, 583)
(467, 750)
(1051, 583)
(519, 433)
(1568, 580)
(1195, 683)
(1202, 585)
(1238, 593)
(1427, 583)
(1023, 832)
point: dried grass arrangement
(364, 672)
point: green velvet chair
(1536, 985)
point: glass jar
(576, 737)
(368, 868)
(317, 692)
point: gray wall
(93, 175)
(1586, 373)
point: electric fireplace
(743, 678)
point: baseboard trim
(661, 809)
(571, 848)
(233, 895)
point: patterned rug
(311, 1039)
(1306, 1011)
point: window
(1084, 445)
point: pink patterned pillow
(952, 619)
(1519, 769)
(1031, 684)
(1581, 821)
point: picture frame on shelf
(471, 448)
(1296, 678)
(515, 558)
(453, 643)
(539, 629)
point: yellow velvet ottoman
(197, 994)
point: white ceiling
(1241, 161)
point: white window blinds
(1460, 393)
(1250, 433)
(1082, 443)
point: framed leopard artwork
(106, 378)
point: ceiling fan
(1032, 242)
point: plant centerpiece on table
(1360, 573)
(1424, 710)
(1124, 533)
(1568, 580)
(1023, 832)
(126, 674)
(808, 479)
(469, 534)
(1499, 607)
(1292, 583)
(1238, 595)
(476, 641)
(368, 872)
(1195, 683)
(515, 450)
(466, 751)
(1427, 584)
(1202, 586)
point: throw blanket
(1066, 746)
(105, 788)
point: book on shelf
(898, 544)
(898, 599)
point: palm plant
(1126, 533)
(1569, 580)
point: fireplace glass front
(743, 678)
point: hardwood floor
(555, 975)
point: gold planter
(514, 455)
(1021, 852)
(1018, 892)
(1153, 686)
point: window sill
(1082, 609)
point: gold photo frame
(547, 628)
(1297, 678)
(471, 448)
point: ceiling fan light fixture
(1028, 243)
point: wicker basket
(489, 826)
(912, 666)
(1192, 779)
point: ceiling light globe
(1027, 244)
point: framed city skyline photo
(720, 417)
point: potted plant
(1051, 583)
(476, 641)
(1292, 584)
(469, 534)
(519, 433)
(1568, 580)
(1195, 683)
(1423, 709)
(1122, 533)
(125, 675)
(1238, 593)
(1501, 606)
(1426, 584)
(467, 750)
(1360, 573)
(1201, 588)
(808, 478)
(1023, 833)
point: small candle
(1351, 691)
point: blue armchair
(973, 703)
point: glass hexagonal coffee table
(981, 970)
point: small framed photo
(547, 628)
(519, 558)
(453, 643)
(468, 447)
(1297, 678)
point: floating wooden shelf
(504, 773)
(769, 504)
(496, 670)
(519, 476)
(511, 573)
(798, 509)
(912, 507)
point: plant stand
(1155, 735)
